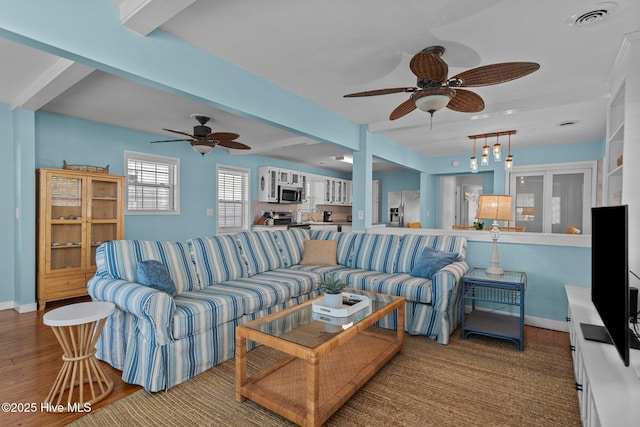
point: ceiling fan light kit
(434, 91)
(431, 103)
(202, 148)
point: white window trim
(157, 159)
(567, 167)
(246, 221)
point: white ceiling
(323, 50)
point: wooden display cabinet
(77, 212)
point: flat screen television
(610, 279)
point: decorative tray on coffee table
(351, 303)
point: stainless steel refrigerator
(404, 207)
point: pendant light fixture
(473, 162)
(486, 150)
(508, 162)
(485, 153)
(497, 150)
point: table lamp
(498, 208)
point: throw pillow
(319, 252)
(430, 262)
(155, 274)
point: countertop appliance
(326, 216)
(281, 218)
(404, 207)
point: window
(552, 198)
(233, 199)
(152, 184)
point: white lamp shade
(202, 149)
(430, 103)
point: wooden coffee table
(325, 361)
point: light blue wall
(59, 138)
(395, 181)
(493, 175)
(7, 191)
(548, 269)
(84, 142)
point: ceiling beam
(264, 148)
(144, 16)
(56, 79)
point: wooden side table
(77, 328)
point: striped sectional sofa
(158, 341)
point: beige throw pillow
(319, 252)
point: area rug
(474, 382)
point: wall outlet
(360, 215)
(209, 212)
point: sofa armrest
(153, 308)
(446, 283)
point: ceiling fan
(435, 91)
(203, 141)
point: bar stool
(77, 328)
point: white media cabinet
(608, 392)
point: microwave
(289, 194)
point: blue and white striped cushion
(320, 269)
(120, 260)
(291, 244)
(259, 251)
(256, 294)
(411, 247)
(346, 243)
(357, 278)
(416, 289)
(217, 259)
(202, 310)
(300, 282)
(375, 252)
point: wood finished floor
(30, 361)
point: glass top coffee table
(326, 359)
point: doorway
(459, 196)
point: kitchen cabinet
(335, 191)
(284, 177)
(77, 212)
(268, 184)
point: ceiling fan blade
(223, 136)
(234, 145)
(429, 65)
(466, 101)
(381, 92)
(403, 109)
(171, 140)
(495, 73)
(180, 133)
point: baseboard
(6, 305)
(20, 308)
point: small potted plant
(332, 288)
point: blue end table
(506, 289)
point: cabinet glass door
(103, 221)
(66, 219)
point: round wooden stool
(77, 328)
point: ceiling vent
(593, 15)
